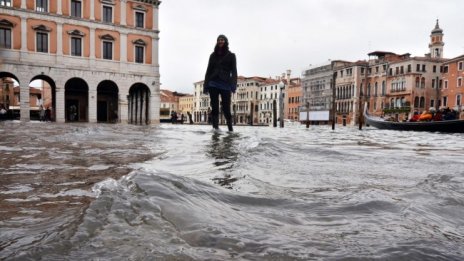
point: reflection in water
(223, 149)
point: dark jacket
(222, 68)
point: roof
(168, 96)
(380, 53)
(437, 29)
(455, 59)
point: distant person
(181, 118)
(221, 79)
(48, 113)
(41, 113)
(173, 117)
(2, 112)
(189, 115)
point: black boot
(229, 126)
(215, 120)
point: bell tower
(436, 42)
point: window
(446, 84)
(434, 68)
(458, 100)
(42, 42)
(445, 69)
(409, 68)
(5, 2)
(76, 46)
(76, 8)
(107, 14)
(5, 38)
(432, 103)
(460, 66)
(139, 50)
(459, 82)
(41, 5)
(417, 67)
(423, 67)
(107, 50)
(445, 101)
(433, 83)
(139, 19)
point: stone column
(59, 38)
(143, 107)
(155, 107)
(123, 108)
(59, 8)
(154, 52)
(60, 103)
(23, 4)
(92, 9)
(155, 18)
(92, 43)
(123, 47)
(92, 103)
(123, 12)
(24, 100)
(23, 34)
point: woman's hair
(225, 48)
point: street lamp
(281, 105)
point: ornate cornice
(42, 28)
(6, 23)
(153, 2)
(107, 37)
(139, 7)
(139, 42)
(108, 2)
(76, 33)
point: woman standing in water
(221, 79)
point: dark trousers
(225, 101)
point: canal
(184, 192)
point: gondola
(449, 126)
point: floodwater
(184, 192)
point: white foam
(99, 167)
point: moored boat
(449, 126)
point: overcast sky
(271, 36)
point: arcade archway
(76, 98)
(107, 102)
(42, 96)
(9, 96)
(139, 104)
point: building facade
(452, 90)
(169, 104)
(318, 92)
(294, 96)
(269, 101)
(201, 104)
(98, 56)
(245, 101)
(186, 103)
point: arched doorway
(107, 102)
(9, 96)
(76, 97)
(42, 93)
(139, 104)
